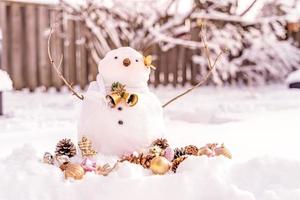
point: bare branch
(211, 68)
(248, 8)
(57, 69)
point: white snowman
(130, 124)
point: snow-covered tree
(258, 50)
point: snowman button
(119, 108)
(120, 122)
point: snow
(5, 81)
(294, 77)
(259, 126)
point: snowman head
(124, 65)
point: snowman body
(121, 129)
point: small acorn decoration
(161, 142)
(73, 170)
(160, 165)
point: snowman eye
(136, 60)
(116, 57)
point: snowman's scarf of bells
(117, 93)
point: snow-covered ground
(5, 81)
(259, 125)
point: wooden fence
(25, 29)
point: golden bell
(114, 99)
(72, 170)
(131, 99)
(148, 62)
(160, 165)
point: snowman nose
(126, 62)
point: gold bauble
(160, 165)
(74, 171)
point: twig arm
(210, 66)
(196, 86)
(57, 69)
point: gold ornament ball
(160, 165)
(74, 171)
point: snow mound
(294, 77)
(258, 125)
(5, 81)
(23, 176)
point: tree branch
(210, 66)
(248, 8)
(57, 69)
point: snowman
(119, 113)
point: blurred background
(261, 39)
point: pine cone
(132, 158)
(176, 162)
(65, 147)
(146, 160)
(191, 150)
(162, 143)
(140, 159)
(178, 152)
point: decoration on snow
(161, 143)
(63, 159)
(76, 170)
(73, 170)
(160, 165)
(48, 158)
(105, 169)
(176, 162)
(85, 146)
(118, 95)
(159, 159)
(65, 147)
(89, 164)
